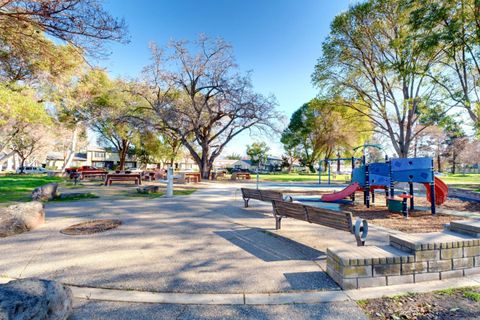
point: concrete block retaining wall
(408, 259)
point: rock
(45, 192)
(20, 218)
(35, 299)
(148, 189)
(70, 195)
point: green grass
(313, 177)
(472, 295)
(469, 181)
(459, 179)
(20, 187)
(77, 197)
(467, 292)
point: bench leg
(246, 202)
(278, 223)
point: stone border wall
(421, 262)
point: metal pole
(366, 191)
(432, 191)
(320, 172)
(329, 169)
(257, 174)
(169, 192)
(392, 186)
(410, 185)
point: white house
(272, 164)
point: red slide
(441, 191)
(348, 191)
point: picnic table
(193, 177)
(240, 175)
(123, 177)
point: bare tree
(82, 23)
(31, 140)
(201, 98)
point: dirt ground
(461, 303)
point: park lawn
(456, 179)
(311, 177)
(19, 187)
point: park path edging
(302, 297)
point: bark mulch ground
(463, 303)
(419, 221)
(90, 227)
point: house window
(99, 155)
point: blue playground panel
(376, 180)
(418, 175)
(407, 164)
(379, 174)
(412, 169)
(358, 175)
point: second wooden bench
(262, 195)
(340, 220)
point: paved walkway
(205, 243)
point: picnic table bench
(340, 220)
(262, 195)
(123, 177)
(92, 173)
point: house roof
(59, 156)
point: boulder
(45, 192)
(71, 195)
(148, 189)
(35, 299)
(20, 218)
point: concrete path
(205, 243)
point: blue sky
(278, 40)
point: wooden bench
(340, 220)
(262, 195)
(123, 177)
(92, 173)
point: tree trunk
(454, 160)
(338, 164)
(205, 168)
(123, 154)
(22, 164)
(71, 150)
(439, 163)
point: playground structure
(374, 176)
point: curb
(302, 297)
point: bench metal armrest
(360, 229)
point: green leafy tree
(298, 138)
(324, 128)
(258, 152)
(452, 27)
(375, 62)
